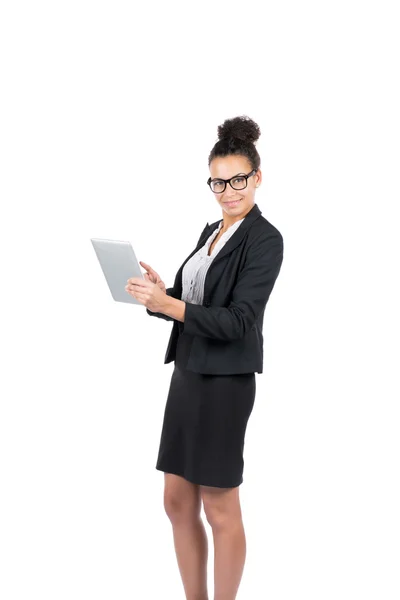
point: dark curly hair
(237, 136)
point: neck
(228, 221)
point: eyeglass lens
(238, 183)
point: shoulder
(264, 232)
(260, 231)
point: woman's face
(231, 166)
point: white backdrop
(108, 113)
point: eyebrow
(216, 178)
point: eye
(238, 180)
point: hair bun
(240, 128)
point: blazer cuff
(215, 322)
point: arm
(168, 291)
(176, 306)
(249, 297)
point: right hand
(152, 276)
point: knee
(181, 509)
(217, 519)
(222, 510)
(216, 513)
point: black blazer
(227, 327)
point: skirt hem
(190, 479)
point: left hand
(147, 293)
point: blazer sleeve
(169, 290)
(249, 296)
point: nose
(231, 193)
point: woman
(217, 307)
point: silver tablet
(118, 262)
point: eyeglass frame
(253, 172)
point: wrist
(172, 307)
(168, 303)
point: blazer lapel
(230, 245)
(239, 234)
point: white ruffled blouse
(195, 270)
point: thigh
(181, 496)
(223, 412)
(220, 504)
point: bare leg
(222, 508)
(182, 503)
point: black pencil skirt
(204, 425)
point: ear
(258, 177)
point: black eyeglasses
(238, 182)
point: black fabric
(228, 325)
(204, 425)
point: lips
(232, 203)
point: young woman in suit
(217, 307)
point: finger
(131, 289)
(139, 282)
(149, 269)
(141, 297)
(146, 266)
(137, 295)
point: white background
(108, 113)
